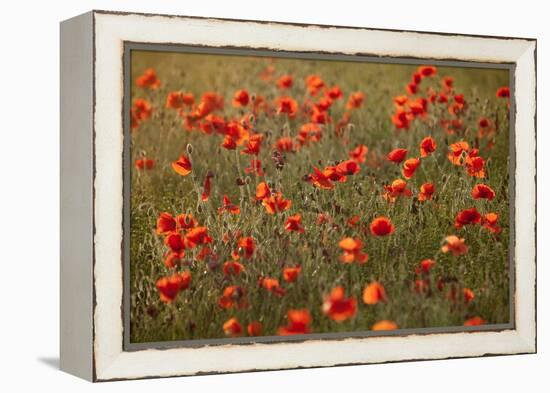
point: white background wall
(29, 197)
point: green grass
(420, 227)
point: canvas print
(283, 196)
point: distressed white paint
(111, 30)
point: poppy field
(280, 196)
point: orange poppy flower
(398, 187)
(483, 191)
(290, 274)
(232, 328)
(468, 295)
(284, 143)
(142, 109)
(196, 236)
(384, 325)
(427, 146)
(182, 166)
(254, 328)
(148, 79)
(374, 293)
(490, 222)
(178, 99)
(359, 154)
(247, 245)
(287, 105)
(186, 221)
(426, 192)
(271, 285)
(309, 132)
(175, 242)
(454, 245)
(319, 117)
(397, 155)
(233, 296)
(262, 191)
(475, 166)
(352, 251)
(229, 207)
(173, 259)
(276, 203)
(298, 323)
(355, 100)
(240, 98)
(294, 223)
(319, 179)
(323, 104)
(503, 92)
(232, 268)
(314, 84)
(425, 266)
(467, 217)
(253, 145)
(347, 168)
(169, 287)
(229, 143)
(400, 101)
(381, 226)
(338, 307)
(353, 220)
(207, 186)
(456, 155)
(166, 223)
(409, 167)
(144, 163)
(285, 82)
(475, 321)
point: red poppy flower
(298, 323)
(384, 325)
(381, 226)
(447, 82)
(253, 145)
(397, 155)
(186, 221)
(229, 207)
(483, 191)
(353, 220)
(427, 71)
(467, 217)
(475, 321)
(232, 328)
(294, 223)
(141, 109)
(240, 98)
(458, 150)
(347, 168)
(148, 79)
(323, 104)
(309, 132)
(290, 274)
(248, 245)
(409, 167)
(287, 105)
(355, 100)
(255, 168)
(285, 82)
(396, 189)
(323, 218)
(454, 245)
(271, 285)
(178, 99)
(166, 223)
(412, 88)
(503, 92)
(425, 266)
(262, 191)
(175, 242)
(374, 293)
(426, 192)
(468, 295)
(319, 179)
(145, 163)
(314, 84)
(229, 143)
(490, 222)
(319, 117)
(207, 186)
(427, 146)
(352, 251)
(196, 236)
(254, 328)
(182, 166)
(173, 259)
(233, 296)
(276, 203)
(359, 154)
(232, 268)
(338, 307)
(400, 101)
(334, 93)
(475, 166)
(284, 144)
(169, 287)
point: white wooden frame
(92, 179)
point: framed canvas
(246, 195)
